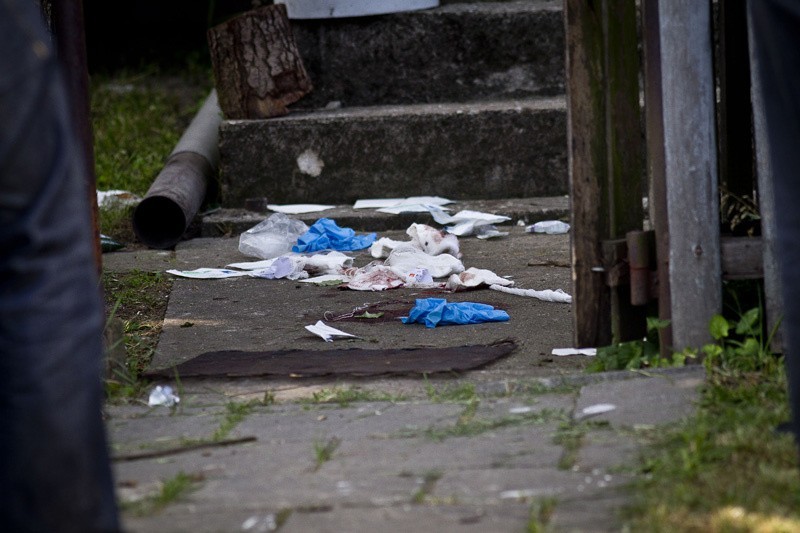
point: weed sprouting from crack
(469, 425)
(236, 412)
(570, 436)
(345, 396)
(540, 513)
(171, 491)
(427, 483)
(323, 451)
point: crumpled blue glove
(326, 235)
(436, 311)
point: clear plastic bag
(272, 237)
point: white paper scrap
(381, 203)
(547, 295)
(298, 209)
(208, 273)
(590, 352)
(252, 265)
(465, 215)
(326, 332)
(326, 278)
(598, 409)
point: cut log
(257, 68)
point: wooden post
(654, 133)
(257, 67)
(587, 171)
(605, 165)
(766, 204)
(690, 168)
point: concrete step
(483, 150)
(227, 222)
(457, 52)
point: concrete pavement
(499, 448)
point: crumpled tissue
(162, 396)
(325, 234)
(438, 312)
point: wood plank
(587, 171)
(742, 258)
(688, 100)
(766, 203)
(624, 147)
(654, 133)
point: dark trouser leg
(776, 34)
(55, 473)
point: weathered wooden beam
(690, 161)
(742, 258)
(588, 170)
(605, 152)
(766, 203)
(256, 63)
(656, 167)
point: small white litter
(162, 396)
(299, 209)
(597, 409)
(475, 277)
(561, 352)
(326, 332)
(208, 273)
(551, 227)
(547, 295)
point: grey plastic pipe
(171, 203)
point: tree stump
(257, 67)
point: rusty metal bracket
(632, 262)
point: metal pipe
(171, 203)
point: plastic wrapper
(273, 237)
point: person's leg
(55, 473)
(776, 41)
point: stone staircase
(464, 101)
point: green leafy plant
(739, 346)
(636, 354)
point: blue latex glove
(326, 235)
(436, 311)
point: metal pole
(68, 28)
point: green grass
(540, 513)
(451, 393)
(171, 490)
(344, 396)
(468, 425)
(136, 121)
(726, 468)
(140, 300)
(234, 414)
(323, 451)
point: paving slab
(477, 451)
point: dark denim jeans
(776, 38)
(55, 473)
